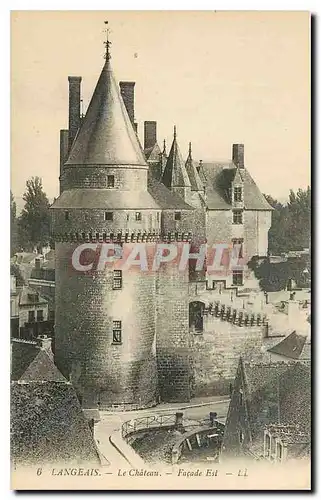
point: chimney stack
(150, 134)
(127, 90)
(238, 155)
(74, 107)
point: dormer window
(138, 216)
(66, 215)
(238, 194)
(110, 181)
(177, 216)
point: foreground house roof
(290, 347)
(48, 426)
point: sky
(220, 77)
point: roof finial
(174, 131)
(190, 150)
(164, 147)
(107, 43)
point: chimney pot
(150, 134)
(238, 155)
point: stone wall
(86, 305)
(173, 340)
(217, 351)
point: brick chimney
(74, 107)
(150, 134)
(238, 155)
(127, 90)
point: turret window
(238, 194)
(110, 181)
(177, 216)
(237, 217)
(138, 216)
(117, 332)
(109, 216)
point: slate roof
(196, 183)
(106, 135)
(48, 426)
(175, 174)
(153, 153)
(218, 178)
(105, 199)
(166, 199)
(290, 347)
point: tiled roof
(277, 392)
(218, 178)
(42, 368)
(22, 354)
(48, 425)
(290, 347)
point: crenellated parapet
(123, 236)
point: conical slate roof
(192, 173)
(106, 136)
(175, 174)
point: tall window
(110, 181)
(241, 437)
(237, 217)
(40, 315)
(238, 242)
(177, 215)
(109, 216)
(241, 397)
(66, 215)
(117, 332)
(138, 216)
(117, 279)
(238, 195)
(31, 316)
(238, 278)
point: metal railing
(148, 422)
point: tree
(291, 222)
(13, 226)
(34, 222)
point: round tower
(105, 320)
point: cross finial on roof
(107, 43)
